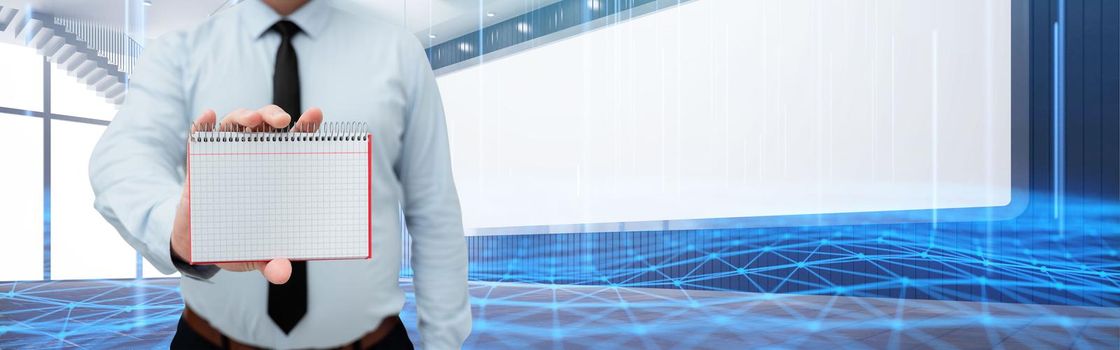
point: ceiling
(445, 19)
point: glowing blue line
(1059, 115)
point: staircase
(98, 56)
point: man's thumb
(277, 271)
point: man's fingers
(241, 266)
(277, 271)
(240, 119)
(274, 116)
(309, 121)
(270, 116)
(208, 117)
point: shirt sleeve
(137, 167)
(431, 210)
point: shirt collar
(257, 18)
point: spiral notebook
(256, 196)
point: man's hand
(277, 270)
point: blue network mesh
(108, 314)
(1032, 259)
(102, 314)
(1041, 283)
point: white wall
(739, 108)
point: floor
(142, 313)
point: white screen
(735, 108)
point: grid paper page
(264, 199)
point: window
(23, 78)
(21, 205)
(83, 244)
(70, 97)
(53, 216)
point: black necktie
(287, 303)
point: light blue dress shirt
(354, 67)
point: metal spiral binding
(333, 131)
